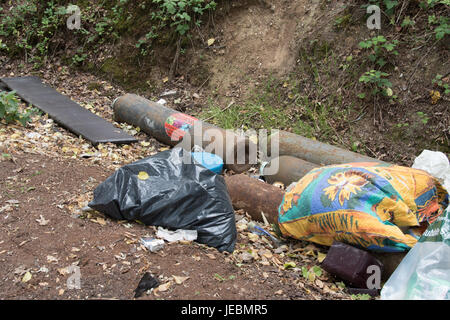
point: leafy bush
(9, 109)
(378, 82)
(381, 49)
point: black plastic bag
(177, 194)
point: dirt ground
(41, 236)
(47, 174)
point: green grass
(280, 105)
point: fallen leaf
(435, 96)
(267, 254)
(164, 287)
(143, 175)
(253, 237)
(276, 261)
(289, 265)
(211, 42)
(319, 283)
(63, 271)
(211, 256)
(100, 221)
(321, 256)
(27, 277)
(179, 280)
(264, 261)
(52, 259)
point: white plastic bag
(435, 163)
(424, 274)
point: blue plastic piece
(209, 161)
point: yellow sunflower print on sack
(344, 184)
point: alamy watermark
(74, 281)
(74, 21)
(374, 20)
(235, 147)
(374, 280)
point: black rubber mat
(66, 112)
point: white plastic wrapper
(424, 274)
(435, 163)
(177, 235)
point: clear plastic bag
(424, 274)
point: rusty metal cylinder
(179, 129)
(286, 169)
(254, 197)
(309, 150)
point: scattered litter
(147, 282)
(424, 273)
(161, 101)
(435, 163)
(179, 280)
(88, 155)
(253, 227)
(350, 264)
(209, 160)
(177, 235)
(68, 113)
(168, 93)
(152, 244)
(178, 194)
(362, 204)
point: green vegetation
(441, 84)
(32, 27)
(280, 105)
(9, 109)
(381, 52)
(312, 273)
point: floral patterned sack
(363, 204)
